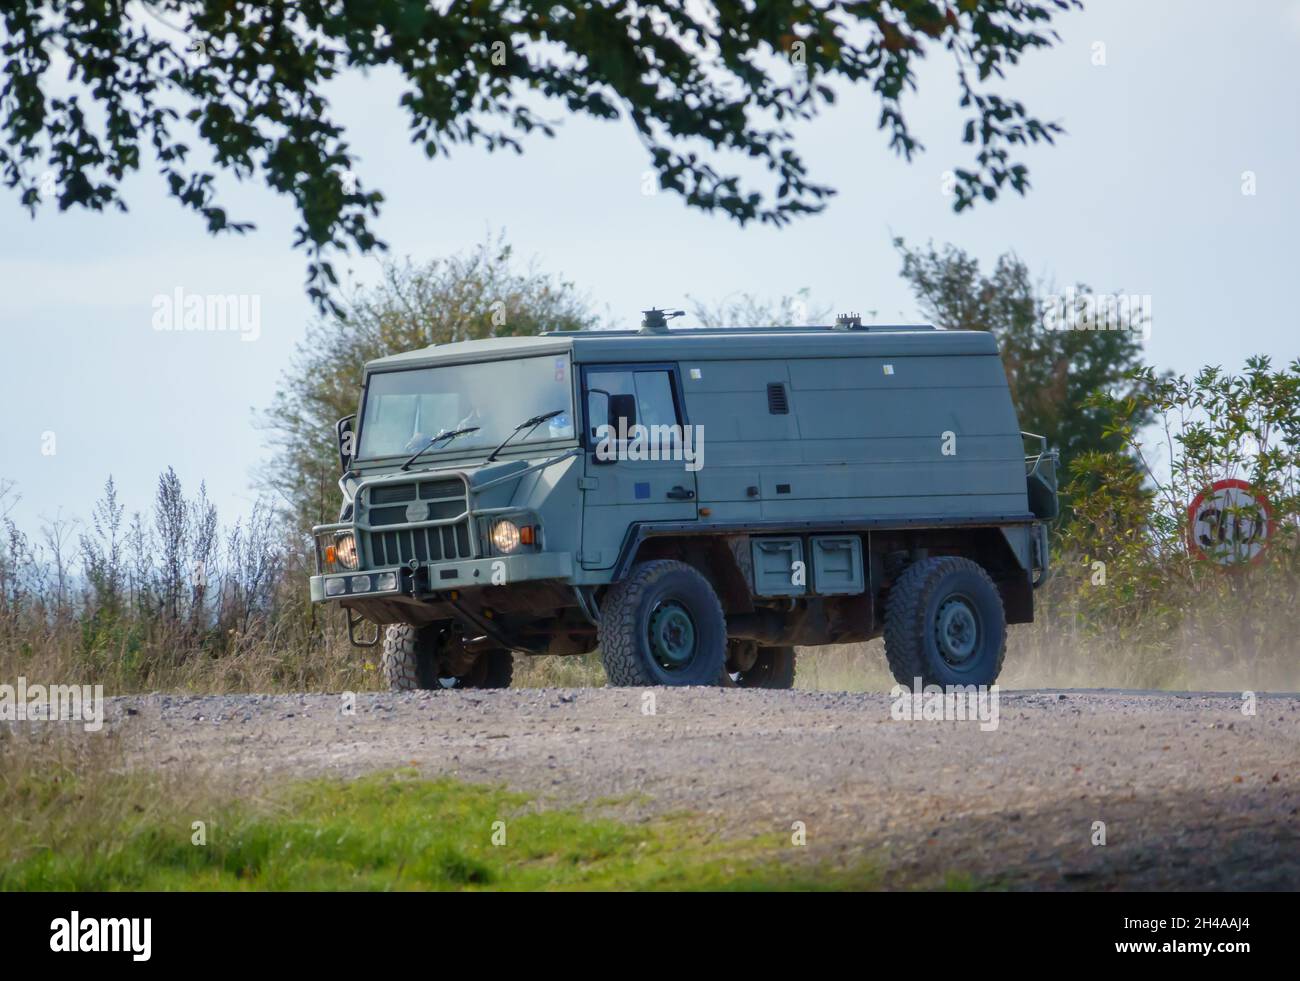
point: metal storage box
(774, 560)
(837, 565)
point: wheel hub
(672, 635)
(957, 630)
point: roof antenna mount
(655, 321)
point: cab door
(633, 480)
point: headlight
(505, 536)
(338, 551)
(345, 550)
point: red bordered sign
(1230, 523)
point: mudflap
(1041, 554)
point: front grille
(399, 514)
(413, 504)
(440, 543)
(428, 490)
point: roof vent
(777, 403)
(848, 321)
(655, 321)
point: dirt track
(1194, 794)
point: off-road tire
(492, 669)
(409, 658)
(410, 663)
(625, 615)
(773, 668)
(911, 614)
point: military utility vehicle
(693, 502)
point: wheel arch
(990, 547)
(713, 556)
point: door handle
(680, 493)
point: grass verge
(70, 823)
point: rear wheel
(752, 666)
(412, 662)
(944, 624)
(491, 669)
(663, 625)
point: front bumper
(496, 570)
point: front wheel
(663, 625)
(410, 657)
(945, 625)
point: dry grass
(1054, 652)
(575, 671)
(329, 663)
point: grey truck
(694, 503)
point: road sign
(1230, 523)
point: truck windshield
(406, 409)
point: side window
(652, 388)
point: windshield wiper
(530, 425)
(437, 439)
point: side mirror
(622, 410)
(347, 442)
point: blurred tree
(477, 294)
(88, 87)
(750, 310)
(1055, 351)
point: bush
(1129, 594)
(169, 600)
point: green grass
(391, 831)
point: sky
(1195, 103)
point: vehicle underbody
(552, 617)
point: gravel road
(1194, 793)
